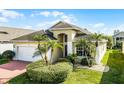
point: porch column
(69, 48)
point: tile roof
(64, 25)
(9, 33)
(29, 37)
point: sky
(95, 20)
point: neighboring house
(9, 33)
(66, 33)
(118, 36)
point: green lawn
(113, 58)
(84, 76)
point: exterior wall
(6, 46)
(123, 47)
(100, 51)
(70, 34)
(120, 36)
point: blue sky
(100, 21)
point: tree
(44, 44)
(72, 58)
(109, 42)
(53, 45)
(89, 48)
(96, 37)
(42, 47)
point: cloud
(98, 25)
(45, 13)
(10, 14)
(57, 13)
(53, 13)
(3, 19)
(53, 17)
(68, 18)
(46, 24)
(100, 28)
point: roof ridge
(16, 28)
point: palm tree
(89, 48)
(53, 45)
(44, 43)
(96, 37)
(42, 46)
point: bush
(92, 62)
(1, 56)
(49, 74)
(3, 61)
(36, 64)
(8, 54)
(62, 60)
(84, 61)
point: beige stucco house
(24, 46)
(118, 36)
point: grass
(113, 58)
(116, 64)
(21, 79)
(83, 76)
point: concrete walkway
(11, 70)
(98, 67)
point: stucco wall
(123, 47)
(70, 35)
(4, 47)
(100, 51)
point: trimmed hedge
(50, 74)
(62, 60)
(9, 54)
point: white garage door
(26, 53)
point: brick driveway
(11, 70)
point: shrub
(84, 61)
(62, 60)
(1, 56)
(36, 64)
(49, 74)
(92, 62)
(9, 54)
(3, 61)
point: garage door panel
(26, 53)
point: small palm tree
(53, 45)
(72, 58)
(44, 43)
(89, 48)
(96, 37)
(42, 47)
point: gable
(60, 26)
(120, 34)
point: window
(79, 50)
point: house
(118, 36)
(9, 33)
(67, 34)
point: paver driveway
(11, 69)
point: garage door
(26, 53)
